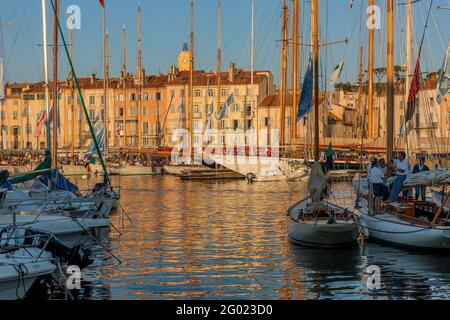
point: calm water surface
(227, 240)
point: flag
(118, 129)
(337, 72)
(305, 103)
(102, 3)
(443, 87)
(39, 122)
(99, 130)
(223, 110)
(415, 86)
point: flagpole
(46, 80)
(55, 86)
(316, 79)
(105, 76)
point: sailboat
(409, 223)
(314, 221)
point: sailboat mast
(360, 83)
(370, 73)
(295, 14)
(219, 62)
(252, 75)
(390, 79)
(46, 79)
(105, 76)
(72, 97)
(316, 78)
(409, 30)
(283, 78)
(139, 74)
(55, 87)
(191, 77)
(124, 85)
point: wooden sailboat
(314, 221)
(416, 224)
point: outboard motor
(75, 256)
(250, 177)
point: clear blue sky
(165, 27)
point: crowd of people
(377, 174)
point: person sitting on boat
(401, 168)
(377, 178)
(421, 167)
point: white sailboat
(415, 224)
(314, 221)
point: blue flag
(305, 103)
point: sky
(165, 27)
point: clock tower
(184, 59)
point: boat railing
(18, 241)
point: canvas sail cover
(44, 165)
(305, 103)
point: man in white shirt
(402, 169)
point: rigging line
(18, 31)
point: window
(145, 127)
(248, 111)
(236, 108)
(91, 100)
(3, 115)
(145, 97)
(224, 92)
(158, 96)
(144, 111)
(222, 124)
(92, 114)
(121, 97)
(267, 121)
(146, 142)
(15, 102)
(41, 96)
(196, 109)
(28, 97)
(120, 112)
(196, 125)
(196, 139)
(197, 93)
(210, 93)
(235, 124)
(29, 130)
(172, 93)
(249, 123)
(132, 97)
(133, 112)
(15, 115)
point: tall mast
(409, 30)
(294, 70)
(55, 87)
(72, 97)
(252, 68)
(124, 85)
(390, 79)
(105, 75)
(46, 79)
(107, 91)
(139, 73)
(316, 78)
(219, 62)
(360, 83)
(191, 77)
(370, 73)
(283, 78)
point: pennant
(415, 86)
(443, 86)
(223, 110)
(39, 122)
(305, 103)
(102, 3)
(337, 72)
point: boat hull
(320, 233)
(390, 229)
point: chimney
(92, 78)
(173, 73)
(231, 71)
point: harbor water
(227, 240)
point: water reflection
(227, 240)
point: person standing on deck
(402, 168)
(377, 178)
(421, 167)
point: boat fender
(250, 177)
